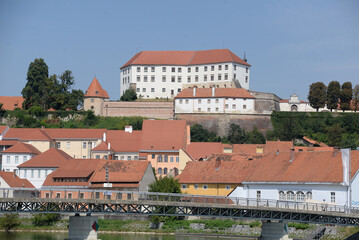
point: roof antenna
(244, 57)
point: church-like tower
(94, 97)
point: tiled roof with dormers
(184, 58)
(22, 148)
(14, 181)
(10, 103)
(95, 90)
(218, 93)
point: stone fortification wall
(219, 123)
(266, 102)
(161, 110)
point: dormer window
(96, 92)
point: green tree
(35, 90)
(356, 97)
(236, 134)
(333, 94)
(9, 221)
(129, 95)
(91, 119)
(45, 219)
(165, 185)
(199, 134)
(2, 110)
(317, 95)
(334, 135)
(256, 137)
(346, 95)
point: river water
(117, 236)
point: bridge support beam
(274, 231)
(83, 227)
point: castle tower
(95, 97)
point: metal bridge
(146, 203)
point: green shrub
(299, 225)
(9, 221)
(45, 219)
(255, 224)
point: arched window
(281, 195)
(159, 171)
(166, 158)
(159, 158)
(300, 196)
(309, 195)
(175, 170)
(290, 196)
(165, 170)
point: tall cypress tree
(346, 95)
(333, 94)
(317, 95)
(37, 76)
(356, 97)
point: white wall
(195, 78)
(36, 176)
(320, 192)
(355, 190)
(12, 164)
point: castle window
(179, 90)
(199, 100)
(138, 78)
(234, 106)
(184, 186)
(187, 101)
(138, 90)
(152, 90)
(143, 89)
(300, 196)
(212, 68)
(208, 100)
(205, 187)
(196, 186)
(208, 109)
(165, 170)
(166, 158)
(163, 78)
(173, 79)
(225, 67)
(196, 78)
(246, 70)
(180, 101)
(290, 196)
(197, 69)
(92, 100)
(219, 77)
(217, 100)
(92, 107)
(235, 67)
(234, 76)
(152, 69)
(205, 68)
(138, 69)
(145, 69)
(309, 195)
(173, 69)
(281, 195)
(199, 109)
(145, 78)
(179, 79)
(225, 76)
(226, 106)
(189, 69)
(163, 69)
(212, 77)
(205, 78)
(159, 171)
(217, 109)
(152, 78)
(246, 79)
(244, 106)
(220, 67)
(96, 92)
(159, 158)
(163, 89)
(179, 70)
(189, 79)
(332, 197)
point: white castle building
(163, 74)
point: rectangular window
(68, 145)
(7, 159)
(137, 89)
(138, 78)
(208, 109)
(97, 195)
(219, 77)
(225, 76)
(234, 106)
(173, 69)
(179, 70)
(219, 67)
(212, 77)
(152, 78)
(196, 78)
(212, 68)
(234, 76)
(179, 79)
(197, 68)
(173, 79)
(246, 79)
(184, 186)
(205, 78)
(235, 66)
(199, 109)
(332, 197)
(217, 109)
(258, 195)
(187, 101)
(177, 159)
(143, 89)
(208, 100)
(163, 78)
(152, 90)
(225, 67)
(58, 145)
(189, 79)
(163, 89)
(205, 68)
(58, 195)
(84, 145)
(244, 106)
(47, 195)
(171, 159)
(246, 70)
(138, 69)
(16, 159)
(178, 90)
(196, 186)
(145, 69)
(205, 187)
(84, 157)
(217, 100)
(129, 158)
(228, 187)
(153, 156)
(82, 196)
(45, 173)
(129, 196)
(69, 195)
(226, 106)
(180, 101)
(152, 69)
(163, 69)
(189, 69)
(145, 78)
(199, 100)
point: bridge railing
(97, 194)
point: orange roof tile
(281, 146)
(122, 141)
(103, 146)
(36, 134)
(8, 142)
(68, 133)
(77, 168)
(314, 142)
(313, 149)
(120, 171)
(199, 150)
(22, 148)
(52, 158)
(10, 103)
(2, 129)
(95, 90)
(184, 58)
(14, 181)
(219, 93)
(17, 133)
(163, 135)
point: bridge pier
(83, 227)
(274, 231)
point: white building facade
(163, 74)
(36, 176)
(295, 105)
(215, 100)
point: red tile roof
(313, 149)
(22, 148)
(184, 58)
(17, 133)
(14, 181)
(314, 142)
(52, 158)
(199, 150)
(103, 146)
(163, 135)
(10, 103)
(77, 168)
(2, 129)
(95, 90)
(219, 93)
(120, 171)
(122, 141)
(36, 134)
(8, 142)
(68, 133)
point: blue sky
(290, 44)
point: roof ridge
(189, 63)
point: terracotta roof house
(10, 103)
(11, 180)
(94, 97)
(17, 154)
(37, 168)
(174, 71)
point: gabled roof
(163, 135)
(122, 141)
(14, 181)
(36, 134)
(10, 103)
(68, 133)
(103, 146)
(184, 58)
(77, 168)
(22, 148)
(8, 142)
(219, 93)
(17, 133)
(95, 90)
(2, 129)
(120, 171)
(52, 158)
(281, 146)
(199, 150)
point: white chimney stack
(213, 91)
(109, 146)
(194, 91)
(128, 129)
(104, 137)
